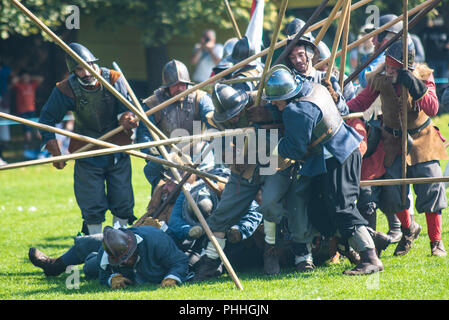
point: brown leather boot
(234, 235)
(271, 260)
(305, 266)
(437, 248)
(207, 268)
(409, 235)
(52, 267)
(369, 263)
(381, 240)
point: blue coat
(159, 258)
(316, 76)
(57, 106)
(300, 118)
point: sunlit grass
(38, 209)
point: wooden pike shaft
(404, 93)
(337, 38)
(394, 182)
(273, 41)
(105, 151)
(306, 28)
(240, 80)
(212, 79)
(344, 48)
(128, 88)
(326, 26)
(106, 144)
(231, 16)
(377, 31)
(241, 64)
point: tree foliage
(160, 20)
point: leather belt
(398, 132)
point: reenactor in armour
(195, 107)
(96, 112)
(316, 135)
(246, 180)
(301, 58)
(242, 49)
(425, 143)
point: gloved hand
(331, 90)
(416, 87)
(168, 282)
(128, 121)
(150, 221)
(118, 281)
(257, 114)
(53, 147)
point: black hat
(81, 51)
(119, 244)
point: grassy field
(38, 209)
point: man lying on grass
(121, 257)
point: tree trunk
(156, 58)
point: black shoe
(305, 266)
(381, 240)
(437, 248)
(271, 260)
(207, 268)
(369, 263)
(52, 267)
(395, 235)
(409, 235)
(234, 235)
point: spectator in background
(366, 49)
(378, 41)
(5, 72)
(436, 42)
(207, 54)
(26, 86)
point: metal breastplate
(179, 115)
(331, 120)
(95, 110)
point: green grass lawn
(38, 209)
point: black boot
(271, 260)
(394, 228)
(437, 248)
(207, 268)
(409, 235)
(345, 250)
(369, 263)
(52, 267)
(381, 240)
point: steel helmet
(295, 26)
(119, 244)
(228, 102)
(324, 51)
(243, 49)
(173, 72)
(81, 51)
(229, 46)
(395, 51)
(383, 20)
(281, 84)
